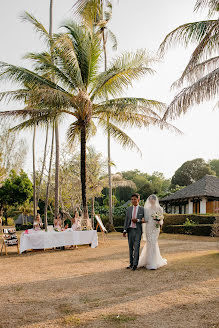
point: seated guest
(66, 226)
(37, 223)
(58, 222)
(76, 222)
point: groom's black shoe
(134, 267)
(129, 267)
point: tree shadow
(43, 300)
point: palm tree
(93, 15)
(81, 89)
(201, 74)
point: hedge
(179, 219)
(198, 229)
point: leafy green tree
(190, 172)
(146, 190)
(16, 190)
(214, 164)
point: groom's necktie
(133, 225)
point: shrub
(10, 221)
(119, 229)
(198, 229)
(188, 223)
(24, 226)
(179, 219)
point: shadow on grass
(75, 295)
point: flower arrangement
(158, 218)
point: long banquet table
(50, 239)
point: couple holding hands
(144, 221)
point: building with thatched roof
(201, 197)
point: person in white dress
(150, 256)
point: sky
(139, 24)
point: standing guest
(37, 223)
(58, 222)
(76, 224)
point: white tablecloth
(42, 239)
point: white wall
(203, 206)
(190, 207)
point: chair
(9, 238)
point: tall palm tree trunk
(48, 182)
(57, 166)
(34, 174)
(108, 142)
(43, 166)
(83, 171)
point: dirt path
(91, 287)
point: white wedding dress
(150, 256)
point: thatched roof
(207, 186)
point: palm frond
(43, 64)
(212, 5)
(39, 28)
(18, 74)
(203, 90)
(208, 45)
(113, 39)
(197, 72)
(123, 71)
(14, 95)
(126, 105)
(187, 34)
(120, 136)
(88, 10)
(74, 131)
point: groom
(133, 226)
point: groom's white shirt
(135, 214)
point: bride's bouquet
(158, 218)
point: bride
(153, 214)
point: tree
(96, 14)
(190, 172)
(16, 190)
(13, 150)
(80, 90)
(146, 190)
(2, 171)
(200, 76)
(214, 164)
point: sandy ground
(91, 287)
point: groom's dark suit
(134, 234)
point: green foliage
(214, 164)
(198, 229)
(123, 194)
(146, 190)
(148, 184)
(188, 223)
(190, 172)
(114, 200)
(179, 219)
(10, 221)
(16, 190)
